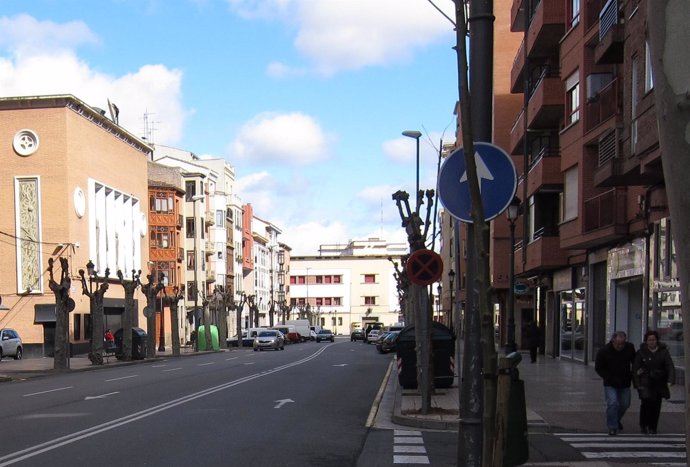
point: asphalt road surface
(306, 405)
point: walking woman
(653, 373)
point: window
(328, 279)
(328, 301)
(648, 78)
(190, 189)
(572, 94)
(220, 218)
(369, 278)
(574, 13)
(161, 202)
(191, 290)
(220, 248)
(337, 279)
(190, 261)
(570, 194)
(77, 327)
(340, 321)
(189, 223)
(161, 238)
(370, 300)
(319, 301)
(337, 301)
(319, 279)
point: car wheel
(18, 355)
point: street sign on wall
(497, 182)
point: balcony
(209, 219)
(603, 102)
(546, 105)
(611, 35)
(604, 221)
(543, 253)
(545, 170)
(210, 276)
(209, 248)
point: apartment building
(347, 286)
(66, 194)
(594, 250)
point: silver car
(269, 339)
(10, 344)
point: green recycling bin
(215, 345)
(442, 356)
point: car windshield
(267, 333)
(324, 331)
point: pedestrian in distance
(653, 373)
(109, 339)
(614, 364)
(533, 338)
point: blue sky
(307, 99)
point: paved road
(306, 405)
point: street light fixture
(512, 213)
(416, 135)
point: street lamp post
(512, 213)
(440, 301)
(451, 279)
(194, 199)
(416, 135)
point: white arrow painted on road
(341, 364)
(482, 171)
(102, 396)
(282, 402)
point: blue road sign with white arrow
(497, 182)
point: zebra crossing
(662, 449)
(408, 447)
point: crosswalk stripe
(629, 445)
(597, 446)
(410, 449)
(631, 454)
(407, 433)
(408, 440)
(410, 460)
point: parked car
(387, 343)
(357, 335)
(373, 336)
(269, 339)
(10, 344)
(324, 335)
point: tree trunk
(669, 40)
(175, 326)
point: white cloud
(25, 35)
(155, 89)
(338, 35)
(305, 238)
(293, 138)
(281, 70)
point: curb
(417, 422)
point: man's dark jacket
(615, 366)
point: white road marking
(124, 377)
(207, 363)
(410, 449)
(102, 396)
(408, 440)
(46, 392)
(282, 402)
(172, 369)
(410, 460)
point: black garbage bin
(442, 356)
(139, 341)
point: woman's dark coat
(652, 371)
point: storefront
(571, 293)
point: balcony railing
(603, 105)
(608, 18)
(604, 210)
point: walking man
(614, 365)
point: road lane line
(207, 363)
(172, 369)
(123, 377)
(47, 446)
(46, 392)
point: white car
(373, 336)
(10, 344)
